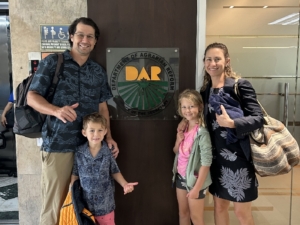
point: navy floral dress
(233, 176)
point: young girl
(193, 159)
(95, 166)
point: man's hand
(67, 113)
(113, 146)
(3, 120)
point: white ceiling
(249, 21)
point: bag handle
(237, 92)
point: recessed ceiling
(249, 18)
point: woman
(232, 171)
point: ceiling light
(252, 36)
(291, 21)
(286, 19)
(261, 6)
(271, 47)
(265, 7)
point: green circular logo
(143, 83)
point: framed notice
(54, 37)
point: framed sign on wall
(54, 37)
(144, 82)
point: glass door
(263, 42)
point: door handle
(286, 104)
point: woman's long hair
(228, 69)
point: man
(82, 89)
(7, 116)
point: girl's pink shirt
(185, 149)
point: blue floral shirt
(86, 84)
(96, 179)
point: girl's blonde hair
(228, 69)
(195, 97)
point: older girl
(193, 159)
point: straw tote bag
(274, 150)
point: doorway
(263, 42)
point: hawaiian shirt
(95, 175)
(86, 85)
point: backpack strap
(57, 75)
(58, 71)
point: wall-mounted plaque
(144, 83)
(54, 37)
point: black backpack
(28, 122)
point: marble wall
(25, 19)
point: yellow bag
(69, 216)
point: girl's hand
(182, 125)
(179, 137)
(129, 187)
(224, 120)
(193, 194)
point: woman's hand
(224, 120)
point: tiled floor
(9, 208)
(8, 200)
